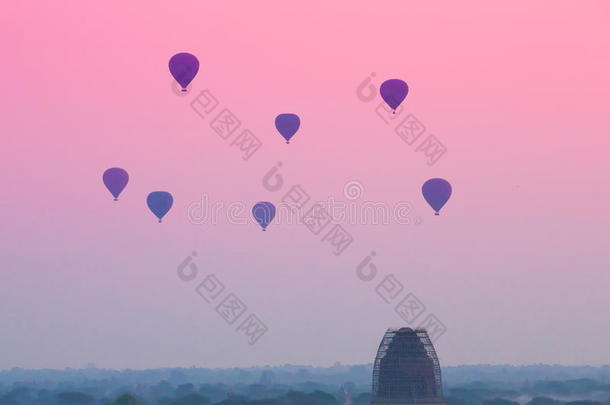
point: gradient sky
(516, 267)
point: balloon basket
(116, 199)
(436, 213)
(159, 221)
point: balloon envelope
(184, 68)
(437, 193)
(159, 202)
(115, 179)
(288, 125)
(263, 212)
(393, 92)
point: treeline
(359, 375)
(534, 401)
(80, 398)
(515, 375)
(573, 392)
(343, 385)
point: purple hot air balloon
(184, 68)
(263, 212)
(393, 92)
(115, 180)
(159, 202)
(288, 125)
(437, 193)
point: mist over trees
(297, 385)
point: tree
(126, 399)
(454, 401)
(8, 400)
(312, 398)
(185, 389)
(191, 399)
(583, 403)
(543, 401)
(499, 401)
(363, 399)
(162, 388)
(74, 398)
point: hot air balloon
(287, 124)
(393, 92)
(263, 212)
(437, 193)
(115, 179)
(159, 202)
(184, 68)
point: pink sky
(516, 266)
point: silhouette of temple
(406, 370)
